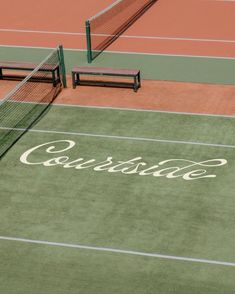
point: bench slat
(53, 69)
(105, 70)
(25, 65)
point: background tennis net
(26, 103)
(109, 24)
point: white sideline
(168, 38)
(119, 137)
(143, 110)
(131, 109)
(121, 251)
(126, 52)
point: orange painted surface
(6, 87)
(157, 95)
(42, 40)
(153, 95)
(167, 18)
(174, 47)
(53, 15)
(197, 19)
(189, 19)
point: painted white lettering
(73, 163)
(130, 170)
(104, 165)
(166, 172)
(56, 161)
(50, 149)
(148, 171)
(195, 174)
(83, 165)
(171, 168)
(121, 164)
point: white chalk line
(120, 251)
(126, 52)
(164, 38)
(119, 137)
(222, 0)
(144, 110)
(128, 109)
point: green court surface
(153, 67)
(115, 230)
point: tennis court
(105, 190)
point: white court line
(164, 38)
(142, 110)
(130, 109)
(125, 52)
(40, 48)
(119, 137)
(169, 55)
(42, 32)
(120, 251)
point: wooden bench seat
(101, 71)
(27, 66)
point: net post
(88, 40)
(62, 65)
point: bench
(100, 71)
(26, 66)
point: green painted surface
(130, 212)
(188, 69)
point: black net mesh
(108, 25)
(23, 106)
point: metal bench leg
(135, 84)
(53, 78)
(1, 73)
(73, 80)
(58, 73)
(139, 80)
(77, 78)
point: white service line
(142, 110)
(164, 38)
(120, 137)
(120, 251)
(129, 109)
(127, 52)
(41, 32)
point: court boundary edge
(135, 110)
(116, 137)
(125, 52)
(120, 251)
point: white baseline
(130, 52)
(132, 109)
(120, 137)
(120, 251)
(163, 38)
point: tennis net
(29, 100)
(105, 27)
